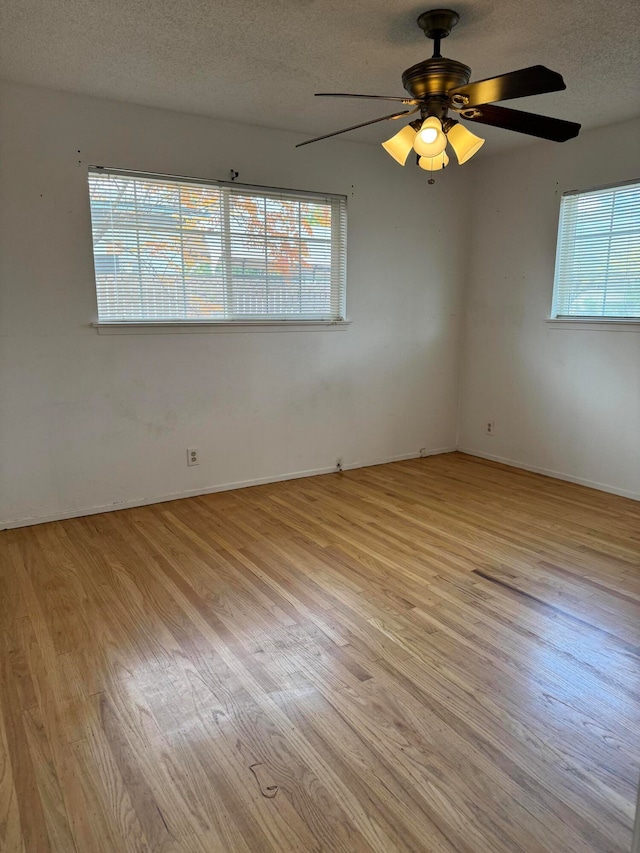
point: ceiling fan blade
(375, 97)
(535, 80)
(355, 127)
(555, 129)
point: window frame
(594, 322)
(268, 323)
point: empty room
(319, 427)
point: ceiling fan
(438, 85)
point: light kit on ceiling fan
(430, 140)
(401, 144)
(434, 164)
(438, 84)
(463, 142)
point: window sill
(596, 324)
(173, 327)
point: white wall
(91, 421)
(564, 401)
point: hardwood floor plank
(152, 822)
(539, 770)
(55, 812)
(11, 835)
(174, 779)
(566, 611)
(18, 757)
(378, 783)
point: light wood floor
(435, 655)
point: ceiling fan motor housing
(435, 76)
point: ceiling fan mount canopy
(438, 23)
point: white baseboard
(548, 472)
(224, 487)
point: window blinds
(175, 249)
(598, 254)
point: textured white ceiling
(260, 62)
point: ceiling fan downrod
(437, 75)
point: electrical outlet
(423, 452)
(339, 463)
(193, 456)
(491, 428)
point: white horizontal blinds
(172, 249)
(598, 255)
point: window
(598, 255)
(175, 249)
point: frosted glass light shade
(430, 140)
(399, 145)
(434, 164)
(464, 143)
